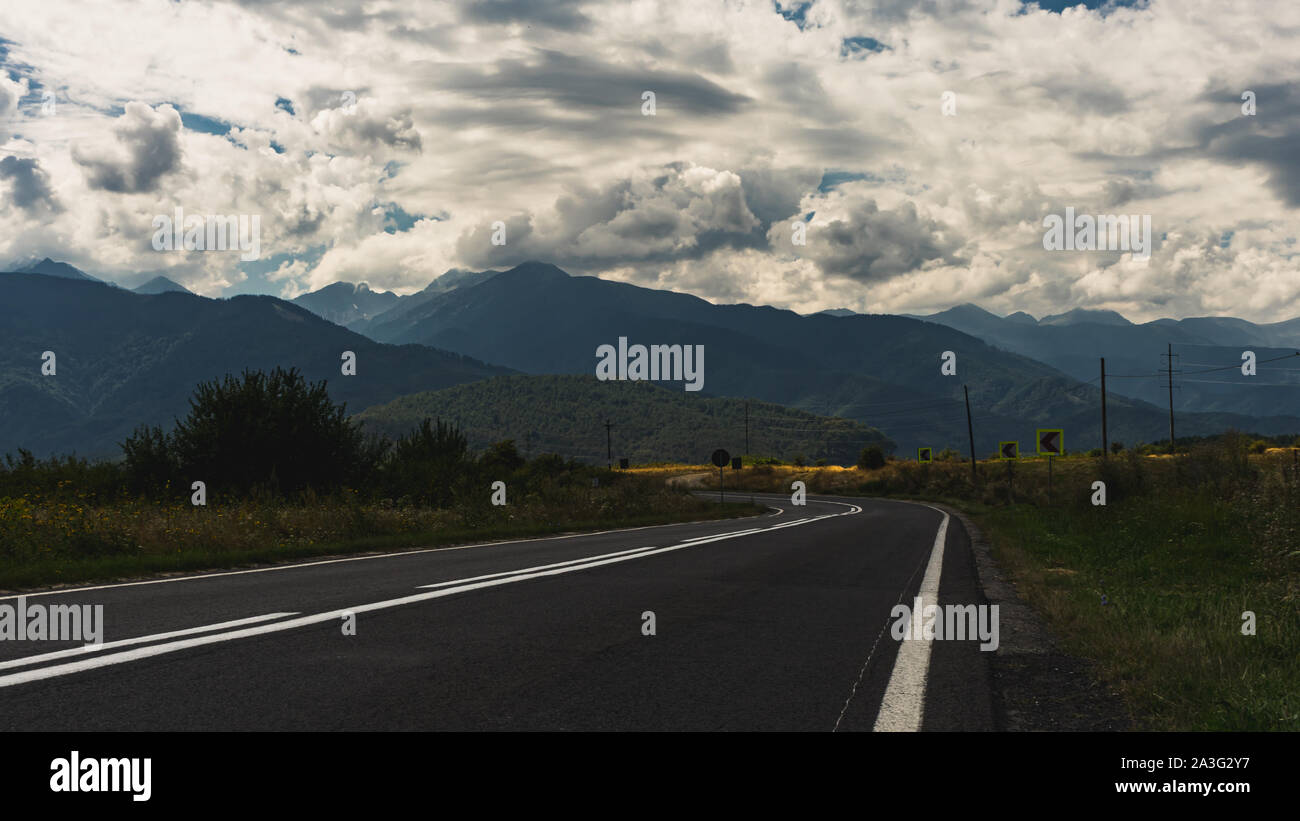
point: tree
(149, 459)
(426, 463)
(267, 431)
(502, 457)
(871, 458)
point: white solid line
(903, 705)
(791, 524)
(568, 563)
(296, 565)
(733, 533)
(304, 621)
(94, 648)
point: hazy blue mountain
(883, 371)
(50, 268)
(1208, 353)
(161, 285)
(395, 313)
(124, 358)
(344, 302)
(838, 312)
(1081, 315)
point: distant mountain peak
(345, 302)
(1078, 315)
(160, 285)
(51, 268)
(536, 268)
(1022, 318)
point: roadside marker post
(1009, 452)
(924, 455)
(1051, 442)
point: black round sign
(721, 458)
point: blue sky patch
(202, 124)
(863, 46)
(794, 12)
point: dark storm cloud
(874, 245)
(149, 148)
(563, 15)
(587, 83)
(30, 187)
(1271, 137)
(397, 131)
(774, 194)
(686, 213)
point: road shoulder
(1036, 686)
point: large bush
(265, 432)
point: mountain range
(880, 370)
(127, 358)
(1207, 356)
(124, 359)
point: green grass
(67, 535)
(1183, 547)
(1154, 589)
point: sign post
(1009, 452)
(721, 458)
(1050, 443)
(924, 455)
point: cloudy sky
(380, 141)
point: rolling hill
(567, 414)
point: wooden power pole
(1105, 438)
(970, 432)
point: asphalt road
(774, 623)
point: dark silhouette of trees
(266, 432)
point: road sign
(721, 458)
(1051, 441)
(622, 464)
(923, 455)
(1008, 450)
(735, 463)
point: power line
(1247, 381)
(1238, 364)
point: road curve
(774, 623)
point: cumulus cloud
(11, 91)
(869, 244)
(679, 212)
(146, 149)
(30, 186)
(530, 113)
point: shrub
(269, 431)
(871, 458)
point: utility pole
(1105, 439)
(746, 427)
(1170, 364)
(970, 431)
(609, 446)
